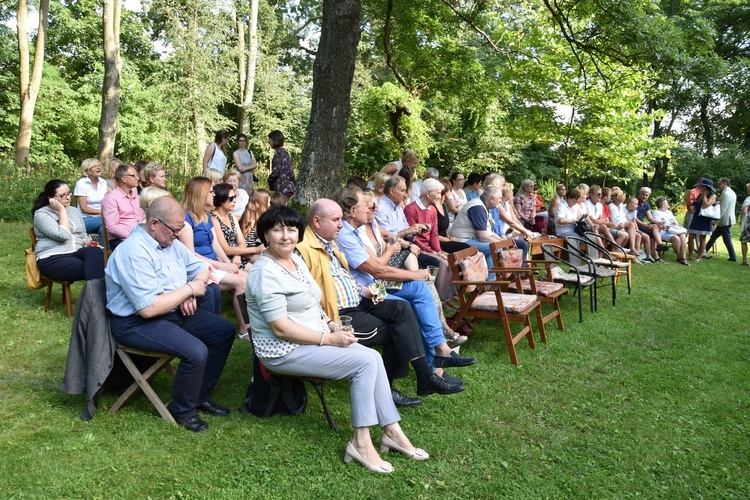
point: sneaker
(456, 338)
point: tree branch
(387, 47)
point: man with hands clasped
(159, 300)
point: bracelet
(191, 288)
(322, 337)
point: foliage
(609, 406)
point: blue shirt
(390, 216)
(203, 237)
(355, 253)
(140, 270)
(471, 195)
(642, 209)
(498, 225)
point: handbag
(582, 226)
(713, 212)
(676, 230)
(33, 275)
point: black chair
(587, 266)
(553, 258)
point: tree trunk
(29, 87)
(247, 66)
(708, 134)
(321, 172)
(660, 164)
(111, 87)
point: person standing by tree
(215, 156)
(244, 162)
(727, 219)
(282, 177)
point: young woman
(199, 236)
(282, 177)
(456, 198)
(215, 155)
(63, 249)
(244, 162)
(257, 205)
(701, 226)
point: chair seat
(514, 303)
(599, 272)
(615, 263)
(559, 275)
(543, 288)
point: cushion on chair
(514, 302)
(473, 268)
(544, 288)
(615, 263)
(559, 275)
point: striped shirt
(347, 290)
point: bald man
(156, 292)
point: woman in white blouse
(677, 235)
(89, 191)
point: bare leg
(744, 253)
(363, 443)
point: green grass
(646, 399)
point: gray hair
(491, 192)
(430, 185)
(392, 183)
(494, 179)
(645, 189)
(431, 173)
(526, 183)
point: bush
(20, 188)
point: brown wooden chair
(142, 380)
(105, 243)
(67, 296)
(524, 281)
(469, 270)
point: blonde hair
(230, 172)
(494, 179)
(507, 189)
(111, 166)
(194, 198)
(258, 203)
(87, 164)
(618, 195)
(213, 175)
(409, 154)
(149, 194)
(150, 170)
(378, 184)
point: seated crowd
(377, 256)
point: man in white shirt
(726, 220)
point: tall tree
(322, 167)
(112, 70)
(247, 66)
(29, 86)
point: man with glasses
(121, 210)
(158, 294)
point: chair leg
(142, 383)
(540, 322)
(319, 386)
(509, 341)
(556, 305)
(48, 302)
(67, 299)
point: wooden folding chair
(67, 296)
(470, 272)
(105, 243)
(142, 380)
(524, 281)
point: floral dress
(282, 177)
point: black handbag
(582, 226)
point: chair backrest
(33, 238)
(468, 265)
(500, 247)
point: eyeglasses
(442, 192)
(174, 231)
(130, 175)
(65, 195)
(232, 198)
(459, 179)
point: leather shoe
(192, 423)
(453, 360)
(436, 385)
(402, 400)
(211, 407)
(451, 379)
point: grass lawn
(649, 398)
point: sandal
(660, 260)
(744, 264)
(684, 262)
(244, 336)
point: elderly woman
(227, 227)
(149, 194)
(293, 336)
(525, 204)
(701, 226)
(63, 248)
(215, 156)
(244, 162)
(232, 177)
(155, 175)
(569, 212)
(89, 192)
(199, 236)
(282, 177)
(671, 230)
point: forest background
(626, 92)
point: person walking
(726, 220)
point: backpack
(292, 399)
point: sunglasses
(232, 198)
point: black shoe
(452, 380)
(732, 260)
(211, 407)
(403, 401)
(454, 360)
(436, 385)
(662, 248)
(192, 423)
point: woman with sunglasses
(227, 227)
(63, 249)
